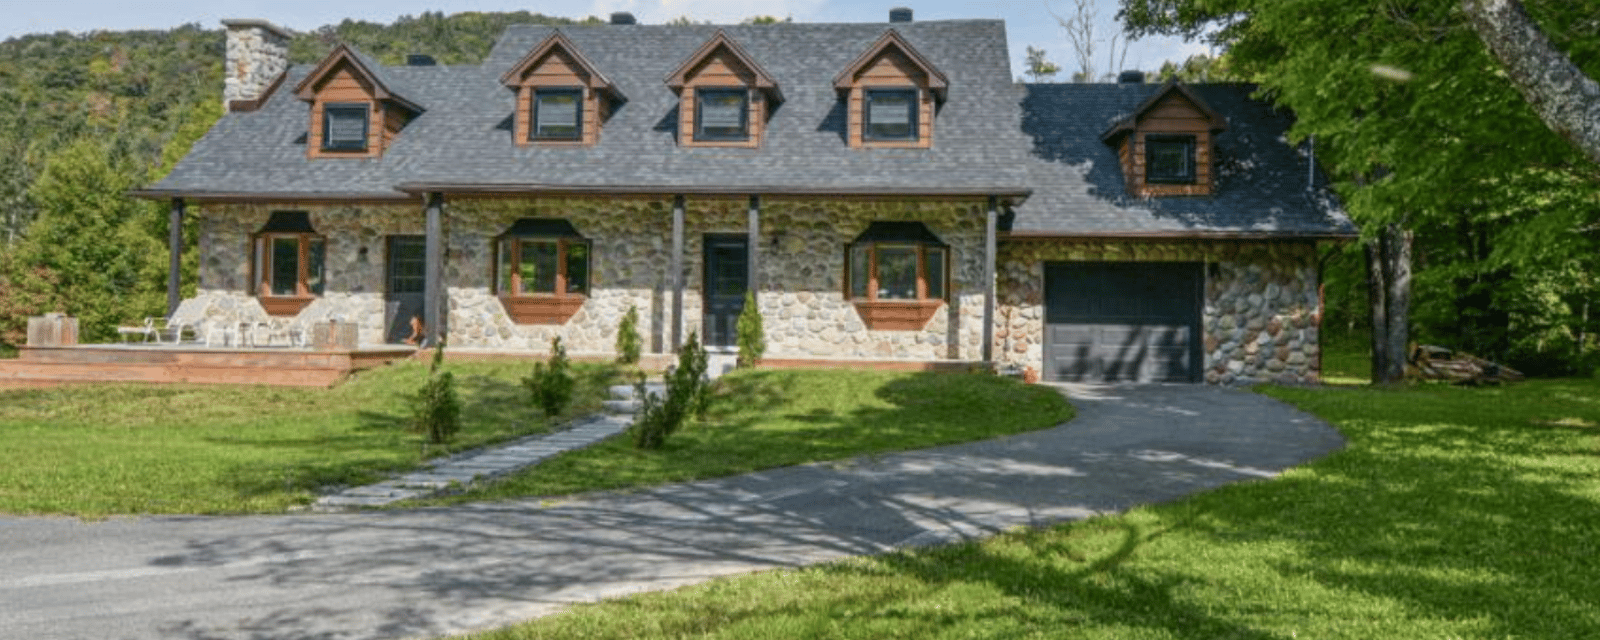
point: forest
(1412, 117)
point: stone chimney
(257, 55)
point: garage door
(1122, 321)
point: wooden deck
(273, 366)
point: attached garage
(1123, 321)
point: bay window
(289, 263)
(542, 271)
(897, 275)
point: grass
(95, 450)
(1346, 357)
(1452, 513)
(771, 418)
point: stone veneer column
(257, 53)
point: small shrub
(629, 344)
(687, 394)
(551, 383)
(438, 409)
(752, 339)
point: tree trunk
(1389, 295)
(1564, 98)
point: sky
(1028, 22)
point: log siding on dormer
(557, 64)
(344, 80)
(890, 63)
(1173, 115)
(721, 64)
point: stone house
(886, 191)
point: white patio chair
(217, 331)
(146, 331)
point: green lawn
(95, 450)
(770, 418)
(1453, 513)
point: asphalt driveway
(430, 572)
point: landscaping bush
(752, 339)
(438, 410)
(551, 383)
(629, 344)
(688, 393)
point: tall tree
(1421, 128)
(1079, 25)
(1040, 68)
(1565, 99)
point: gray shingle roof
(1262, 181)
(983, 142)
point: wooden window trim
(261, 270)
(533, 115)
(915, 114)
(897, 314)
(328, 145)
(557, 307)
(744, 117)
(1190, 142)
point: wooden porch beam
(433, 272)
(753, 279)
(675, 273)
(990, 221)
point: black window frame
(700, 133)
(913, 115)
(577, 125)
(1154, 142)
(361, 108)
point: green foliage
(752, 338)
(1040, 68)
(688, 394)
(438, 409)
(629, 344)
(551, 384)
(1418, 124)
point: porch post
(433, 272)
(675, 273)
(754, 227)
(990, 220)
(175, 254)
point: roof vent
(623, 17)
(420, 60)
(1130, 77)
(900, 14)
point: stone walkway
(463, 469)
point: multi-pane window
(557, 114)
(344, 127)
(722, 114)
(890, 114)
(542, 266)
(290, 264)
(1169, 159)
(897, 261)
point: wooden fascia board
(557, 40)
(231, 197)
(764, 81)
(1009, 195)
(937, 82)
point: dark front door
(727, 278)
(1122, 321)
(405, 269)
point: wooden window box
(542, 309)
(897, 315)
(285, 305)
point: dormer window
(1169, 159)
(891, 114)
(891, 93)
(344, 126)
(722, 114)
(724, 97)
(558, 114)
(562, 99)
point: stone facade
(1262, 304)
(801, 290)
(257, 53)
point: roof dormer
(562, 99)
(1165, 145)
(891, 93)
(724, 96)
(355, 110)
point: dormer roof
(891, 39)
(1129, 122)
(558, 42)
(721, 40)
(365, 68)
